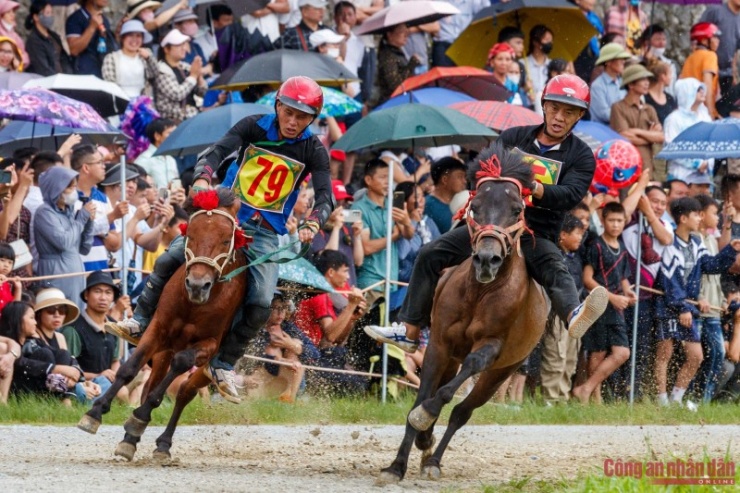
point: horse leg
(423, 416)
(482, 392)
(186, 393)
(137, 423)
(432, 373)
(91, 420)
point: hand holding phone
(399, 200)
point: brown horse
(193, 315)
(487, 314)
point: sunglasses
(61, 309)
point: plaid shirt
(174, 99)
(291, 38)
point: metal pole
(124, 260)
(388, 259)
(633, 355)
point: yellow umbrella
(571, 32)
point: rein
(220, 261)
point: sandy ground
(329, 458)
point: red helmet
(568, 89)
(704, 30)
(301, 93)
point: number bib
(265, 180)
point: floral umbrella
(40, 105)
(336, 103)
(301, 271)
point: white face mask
(70, 198)
(332, 52)
(189, 29)
(657, 52)
(146, 16)
(8, 27)
(515, 78)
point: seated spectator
(53, 311)
(132, 67)
(8, 24)
(177, 82)
(10, 351)
(61, 234)
(96, 351)
(45, 48)
(657, 96)
(90, 37)
(10, 60)
(691, 95)
(606, 89)
(702, 64)
(393, 66)
(162, 169)
(635, 120)
(297, 38)
(449, 177)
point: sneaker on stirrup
(395, 335)
(127, 329)
(588, 312)
(224, 381)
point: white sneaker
(127, 329)
(224, 380)
(588, 312)
(663, 400)
(395, 335)
(692, 406)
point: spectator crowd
(64, 211)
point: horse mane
(510, 162)
(224, 195)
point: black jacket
(576, 174)
(47, 54)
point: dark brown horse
(487, 315)
(193, 315)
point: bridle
(223, 258)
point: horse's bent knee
(183, 361)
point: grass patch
(37, 410)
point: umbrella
(40, 105)
(409, 13)
(472, 81)
(705, 140)
(18, 134)
(238, 7)
(197, 133)
(275, 67)
(15, 80)
(498, 116)
(105, 97)
(572, 30)
(303, 272)
(432, 96)
(413, 125)
(336, 103)
(594, 134)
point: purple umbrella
(40, 105)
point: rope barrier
(692, 302)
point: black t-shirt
(610, 266)
(662, 110)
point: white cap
(323, 36)
(319, 4)
(174, 38)
(136, 26)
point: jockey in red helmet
(276, 152)
(565, 172)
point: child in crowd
(608, 266)
(560, 352)
(679, 309)
(10, 288)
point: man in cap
(186, 22)
(699, 184)
(636, 120)
(328, 43)
(606, 89)
(297, 38)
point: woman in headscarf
(7, 27)
(10, 56)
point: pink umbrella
(409, 12)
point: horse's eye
(515, 212)
(226, 243)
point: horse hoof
(134, 426)
(431, 472)
(126, 450)
(420, 419)
(386, 477)
(162, 455)
(88, 424)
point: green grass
(35, 410)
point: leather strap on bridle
(220, 261)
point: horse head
(210, 242)
(495, 214)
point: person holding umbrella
(565, 101)
(275, 154)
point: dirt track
(284, 459)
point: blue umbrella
(336, 103)
(434, 96)
(705, 140)
(303, 272)
(594, 134)
(197, 133)
(43, 136)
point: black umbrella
(275, 67)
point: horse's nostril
(187, 282)
(207, 286)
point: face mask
(515, 78)
(189, 29)
(657, 52)
(8, 27)
(332, 52)
(546, 48)
(146, 16)
(46, 20)
(70, 198)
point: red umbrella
(498, 116)
(469, 80)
